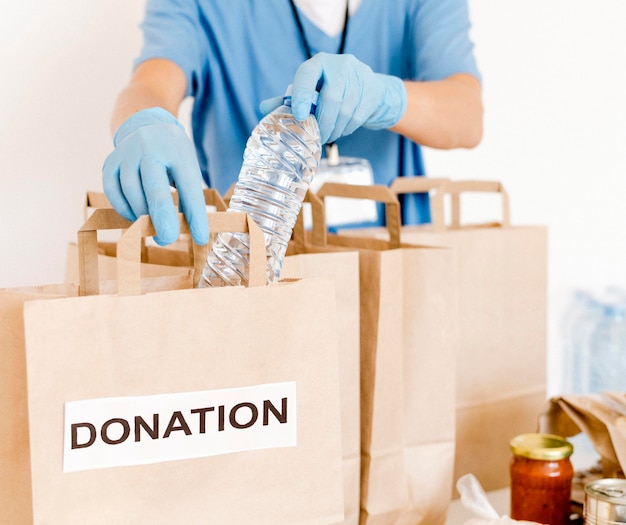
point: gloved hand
(151, 152)
(351, 96)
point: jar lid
(541, 446)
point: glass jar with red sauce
(541, 478)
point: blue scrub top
(236, 53)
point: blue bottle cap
(287, 100)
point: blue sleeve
(171, 30)
(441, 38)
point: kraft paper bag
(502, 268)
(601, 417)
(343, 268)
(15, 493)
(15, 479)
(157, 261)
(184, 405)
(408, 345)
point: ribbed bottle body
(280, 160)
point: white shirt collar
(328, 15)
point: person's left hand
(351, 95)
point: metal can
(605, 502)
(541, 479)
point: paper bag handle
(455, 188)
(402, 185)
(100, 219)
(229, 193)
(129, 249)
(318, 228)
(97, 199)
(213, 198)
(442, 187)
(109, 219)
(375, 192)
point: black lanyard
(305, 43)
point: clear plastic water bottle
(279, 162)
(580, 319)
(344, 212)
(595, 343)
(607, 370)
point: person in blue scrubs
(392, 76)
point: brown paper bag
(343, 268)
(501, 386)
(15, 481)
(602, 417)
(408, 346)
(15, 493)
(159, 348)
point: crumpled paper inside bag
(602, 417)
(474, 499)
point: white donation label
(137, 430)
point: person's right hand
(152, 152)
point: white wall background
(555, 127)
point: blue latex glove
(151, 152)
(351, 95)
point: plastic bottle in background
(345, 170)
(607, 365)
(594, 335)
(579, 320)
(280, 160)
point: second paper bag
(408, 311)
(343, 269)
